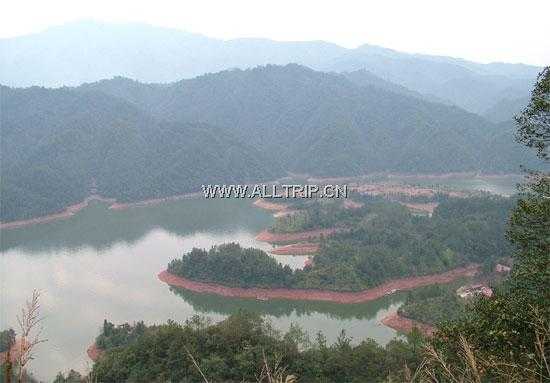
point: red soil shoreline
(270, 237)
(454, 175)
(73, 209)
(263, 204)
(412, 175)
(319, 295)
(67, 213)
(94, 352)
(154, 201)
(421, 207)
(349, 204)
(390, 190)
(406, 325)
(278, 209)
(296, 249)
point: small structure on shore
(502, 268)
(262, 298)
(470, 291)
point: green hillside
(139, 141)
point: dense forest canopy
(384, 241)
(136, 141)
(60, 143)
(325, 124)
(232, 265)
(433, 304)
(236, 349)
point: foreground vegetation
(508, 335)
(234, 350)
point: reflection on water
(101, 228)
(103, 264)
(211, 303)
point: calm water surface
(102, 264)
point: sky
(480, 30)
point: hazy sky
(480, 30)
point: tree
(530, 222)
(534, 121)
(507, 337)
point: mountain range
(135, 141)
(89, 51)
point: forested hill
(325, 124)
(141, 141)
(56, 143)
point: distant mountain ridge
(88, 51)
(506, 109)
(140, 141)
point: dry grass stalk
(472, 367)
(31, 332)
(277, 374)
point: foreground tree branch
(31, 332)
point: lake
(103, 264)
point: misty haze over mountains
(90, 51)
